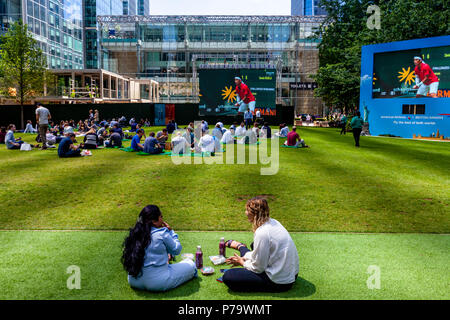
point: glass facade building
(57, 25)
(10, 11)
(92, 9)
(130, 7)
(170, 49)
(143, 7)
(307, 8)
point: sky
(220, 7)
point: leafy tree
(345, 31)
(23, 66)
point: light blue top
(284, 131)
(248, 115)
(9, 139)
(163, 241)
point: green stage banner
(218, 95)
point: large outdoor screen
(394, 77)
(218, 95)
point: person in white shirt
(228, 137)
(255, 129)
(206, 143)
(240, 131)
(273, 263)
(180, 144)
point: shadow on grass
(301, 289)
(184, 291)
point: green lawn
(388, 185)
(332, 266)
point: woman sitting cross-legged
(273, 263)
(146, 254)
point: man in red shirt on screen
(426, 80)
(245, 98)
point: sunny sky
(217, 7)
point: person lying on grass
(273, 264)
(67, 149)
(293, 139)
(146, 254)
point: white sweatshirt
(274, 253)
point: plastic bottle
(222, 247)
(199, 258)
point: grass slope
(388, 185)
(332, 266)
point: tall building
(10, 11)
(57, 25)
(307, 8)
(129, 7)
(92, 9)
(143, 7)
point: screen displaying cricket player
(412, 73)
(218, 95)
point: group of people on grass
(270, 264)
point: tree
(23, 66)
(345, 31)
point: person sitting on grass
(273, 263)
(266, 131)
(90, 139)
(162, 137)
(256, 129)
(116, 128)
(11, 142)
(146, 253)
(228, 136)
(29, 128)
(151, 145)
(293, 139)
(115, 140)
(67, 149)
(171, 126)
(284, 130)
(240, 131)
(189, 136)
(206, 143)
(180, 144)
(136, 141)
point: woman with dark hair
(273, 264)
(145, 254)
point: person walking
(343, 123)
(356, 125)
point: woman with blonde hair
(273, 263)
